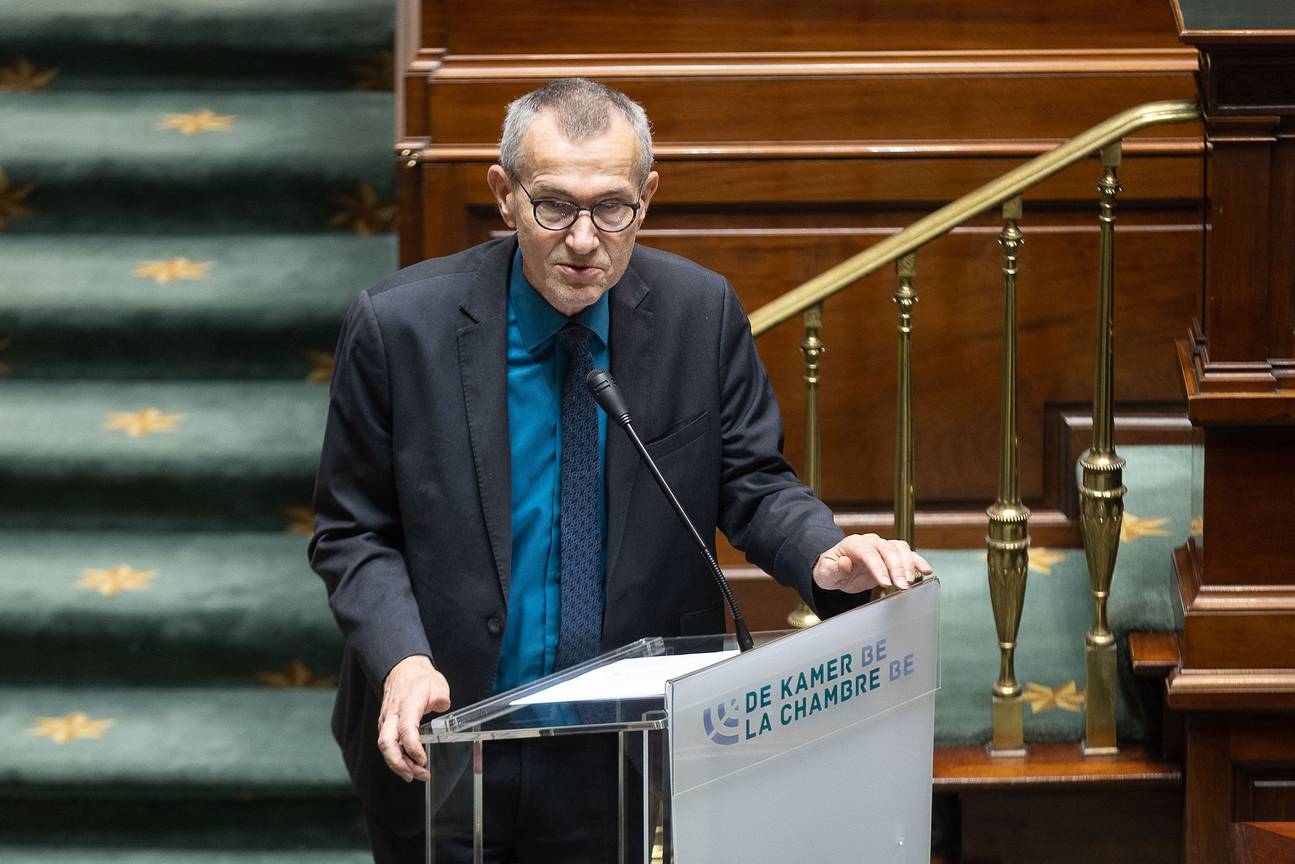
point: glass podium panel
(592, 739)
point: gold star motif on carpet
(196, 122)
(1043, 698)
(61, 730)
(1042, 559)
(378, 75)
(12, 200)
(1134, 528)
(363, 212)
(116, 579)
(21, 76)
(137, 424)
(295, 674)
(301, 520)
(172, 270)
(321, 366)
(1198, 526)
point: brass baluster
(905, 298)
(812, 347)
(1101, 492)
(1009, 532)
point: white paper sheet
(633, 678)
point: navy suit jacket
(413, 520)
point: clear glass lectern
(458, 743)
(821, 737)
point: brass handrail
(950, 216)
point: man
(478, 526)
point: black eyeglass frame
(535, 211)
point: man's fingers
(389, 745)
(894, 560)
(876, 566)
(412, 750)
(923, 566)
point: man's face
(573, 267)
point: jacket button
(495, 626)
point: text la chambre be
(821, 687)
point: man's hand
(863, 561)
(413, 688)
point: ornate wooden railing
(1101, 492)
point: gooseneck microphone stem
(608, 396)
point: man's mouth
(579, 272)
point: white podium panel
(814, 748)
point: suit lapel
(483, 367)
(632, 342)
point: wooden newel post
(1236, 577)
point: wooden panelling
(1240, 767)
(1248, 475)
(1265, 794)
(585, 26)
(1072, 825)
(813, 108)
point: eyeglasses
(554, 214)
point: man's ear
(500, 185)
(649, 189)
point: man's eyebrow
(543, 189)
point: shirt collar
(538, 321)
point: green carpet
(191, 194)
(162, 609)
(196, 306)
(287, 44)
(110, 162)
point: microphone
(609, 398)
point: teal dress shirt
(535, 369)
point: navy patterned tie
(580, 629)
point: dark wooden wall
(791, 136)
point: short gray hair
(582, 109)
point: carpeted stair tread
(117, 855)
(108, 41)
(182, 743)
(203, 454)
(162, 306)
(282, 160)
(164, 608)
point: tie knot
(574, 339)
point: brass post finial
(1009, 536)
(1101, 491)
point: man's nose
(582, 236)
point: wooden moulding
(1235, 392)
(1236, 649)
(971, 767)
(1154, 655)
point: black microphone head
(608, 395)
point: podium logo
(721, 722)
